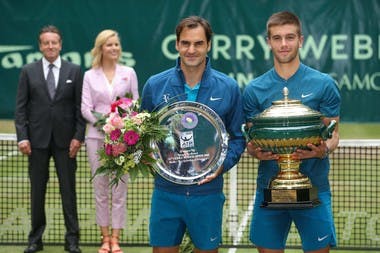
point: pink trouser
(103, 192)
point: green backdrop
(341, 38)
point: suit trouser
(39, 176)
(102, 191)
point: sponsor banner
(341, 38)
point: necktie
(51, 81)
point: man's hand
(74, 148)
(320, 151)
(212, 176)
(24, 147)
(258, 153)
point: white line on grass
(243, 225)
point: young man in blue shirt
(196, 208)
(270, 228)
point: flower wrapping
(129, 134)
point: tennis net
(354, 177)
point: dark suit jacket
(38, 117)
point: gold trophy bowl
(283, 128)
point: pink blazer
(96, 95)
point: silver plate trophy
(195, 146)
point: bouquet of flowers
(129, 134)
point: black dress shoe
(72, 248)
(34, 247)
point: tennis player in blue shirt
(269, 227)
(196, 208)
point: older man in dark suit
(49, 124)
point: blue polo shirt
(216, 90)
(316, 90)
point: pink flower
(115, 134)
(114, 105)
(108, 128)
(116, 121)
(108, 149)
(125, 103)
(131, 137)
(118, 149)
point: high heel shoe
(115, 247)
(106, 247)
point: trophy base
(290, 198)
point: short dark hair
(50, 29)
(284, 18)
(193, 22)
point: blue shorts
(171, 214)
(270, 228)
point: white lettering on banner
(337, 47)
(74, 57)
(32, 57)
(243, 45)
(165, 47)
(221, 45)
(311, 46)
(366, 82)
(363, 50)
(246, 43)
(362, 47)
(15, 59)
(238, 47)
(87, 59)
(12, 60)
(126, 58)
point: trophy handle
(327, 131)
(246, 132)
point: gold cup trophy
(283, 128)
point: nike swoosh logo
(322, 238)
(213, 239)
(307, 95)
(214, 99)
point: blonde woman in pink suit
(105, 81)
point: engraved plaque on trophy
(195, 146)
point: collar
(196, 87)
(300, 69)
(57, 63)
(205, 75)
